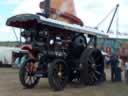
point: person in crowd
(119, 69)
(126, 71)
(114, 67)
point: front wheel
(27, 74)
(57, 74)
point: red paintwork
(29, 49)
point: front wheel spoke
(27, 79)
(26, 75)
(30, 79)
(33, 80)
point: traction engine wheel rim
(92, 70)
(27, 74)
(57, 75)
(94, 64)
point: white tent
(6, 54)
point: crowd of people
(117, 67)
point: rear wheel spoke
(97, 72)
(93, 65)
(92, 78)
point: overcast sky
(90, 11)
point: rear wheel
(27, 74)
(57, 74)
(92, 63)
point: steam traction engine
(60, 51)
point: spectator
(126, 72)
(114, 66)
(119, 69)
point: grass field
(10, 86)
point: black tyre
(92, 62)
(57, 74)
(27, 74)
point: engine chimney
(46, 6)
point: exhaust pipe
(46, 6)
